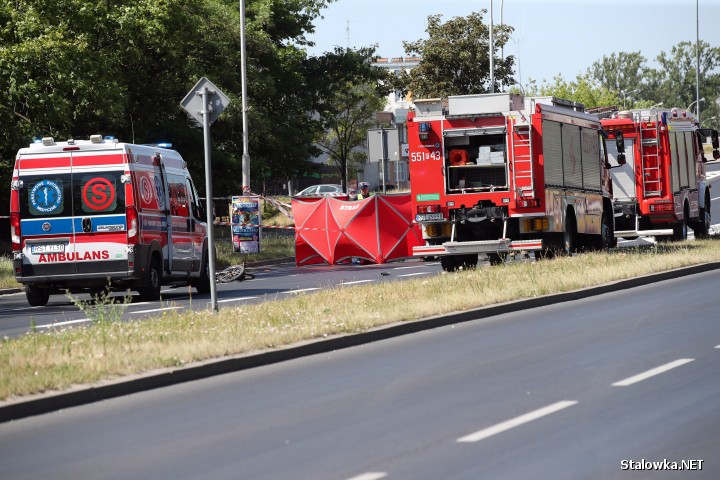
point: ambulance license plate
(48, 248)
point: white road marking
(652, 372)
(235, 299)
(370, 476)
(717, 346)
(60, 324)
(303, 290)
(157, 310)
(413, 266)
(517, 421)
(414, 274)
(355, 282)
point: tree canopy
(455, 58)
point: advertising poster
(245, 224)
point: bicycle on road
(233, 273)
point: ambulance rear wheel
(202, 284)
(37, 296)
(151, 291)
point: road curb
(44, 403)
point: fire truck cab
(499, 174)
(86, 215)
(662, 189)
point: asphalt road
(567, 391)
(271, 282)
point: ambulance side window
(178, 196)
(195, 204)
(98, 193)
(46, 196)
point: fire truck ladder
(522, 165)
(650, 158)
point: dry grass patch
(58, 359)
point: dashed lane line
(516, 422)
(652, 372)
(370, 476)
(414, 274)
(156, 310)
(301, 290)
(239, 299)
(60, 324)
(355, 282)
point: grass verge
(56, 360)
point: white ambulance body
(88, 214)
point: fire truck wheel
(496, 258)
(37, 296)
(448, 263)
(469, 261)
(151, 291)
(569, 235)
(680, 230)
(702, 230)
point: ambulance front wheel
(151, 291)
(37, 296)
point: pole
(383, 145)
(205, 93)
(697, 53)
(243, 74)
(492, 62)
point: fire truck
(662, 189)
(500, 174)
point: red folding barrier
(376, 229)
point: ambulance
(88, 215)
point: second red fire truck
(497, 174)
(662, 188)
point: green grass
(58, 359)
(7, 275)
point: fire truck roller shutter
(458, 157)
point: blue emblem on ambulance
(46, 196)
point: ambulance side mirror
(716, 154)
(715, 141)
(621, 159)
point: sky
(551, 36)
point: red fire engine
(661, 189)
(499, 174)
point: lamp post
(707, 120)
(492, 62)
(625, 94)
(697, 55)
(243, 81)
(694, 102)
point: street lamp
(625, 94)
(657, 105)
(694, 102)
(707, 120)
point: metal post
(243, 75)
(383, 144)
(205, 93)
(697, 52)
(492, 62)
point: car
(322, 189)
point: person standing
(364, 191)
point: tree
(455, 58)
(622, 72)
(122, 67)
(347, 94)
(675, 78)
(584, 90)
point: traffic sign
(193, 101)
